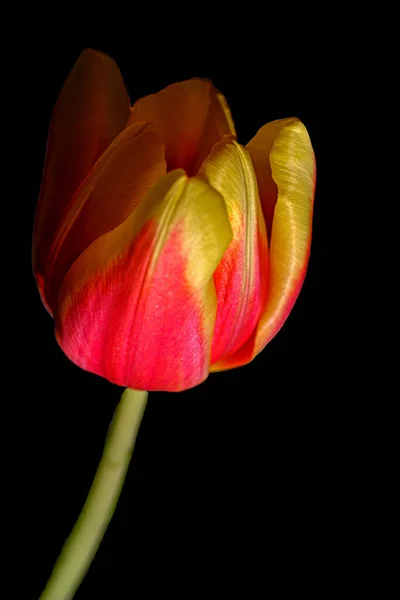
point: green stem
(85, 538)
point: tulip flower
(162, 247)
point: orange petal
(190, 117)
(91, 111)
(120, 179)
(242, 275)
(138, 307)
(284, 164)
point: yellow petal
(242, 275)
(284, 160)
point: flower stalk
(85, 538)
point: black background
(231, 483)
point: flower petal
(190, 117)
(284, 164)
(138, 306)
(91, 111)
(242, 275)
(120, 179)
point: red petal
(91, 111)
(190, 117)
(112, 191)
(138, 307)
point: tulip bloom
(162, 247)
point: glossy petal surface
(242, 275)
(92, 109)
(190, 117)
(138, 307)
(284, 164)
